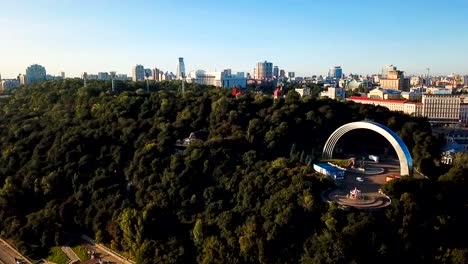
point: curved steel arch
(406, 162)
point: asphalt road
(7, 256)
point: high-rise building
(22, 79)
(335, 73)
(275, 72)
(113, 74)
(62, 75)
(138, 73)
(180, 73)
(35, 73)
(264, 70)
(291, 75)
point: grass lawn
(81, 252)
(56, 255)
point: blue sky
(298, 35)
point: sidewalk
(70, 254)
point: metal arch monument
(404, 156)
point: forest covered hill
(87, 160)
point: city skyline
(76, 37)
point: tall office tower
(264, 70)
(180, 69)
(62, 75)
(275, 72)
(386, 69)
(335, 73)
(138, 73)
(291, 75)
(35, 73)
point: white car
(359, 179)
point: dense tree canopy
(88, 160)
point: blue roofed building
(330, 170)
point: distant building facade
(335, 72)
(276, 72)
(180, 73)
(410, 108)
(103, 76)
(441, 108)
(35, 73)
(394, 79)
(138, 73)
(333, 93)
(263, 70)
(218, 79)
(6, 85)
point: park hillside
(88, 160)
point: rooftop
(361, 98)
(328, 167)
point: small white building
(333, 93)
(304, 91)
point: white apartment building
(332, 93)
(217, 79)
(441, 108)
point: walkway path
(70, 254)
(8, 254)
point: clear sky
(297, 35)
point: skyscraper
(35, 73)
(335, 73)
(275, 72)
(263, 70)
(180, 69)
(138, 73)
